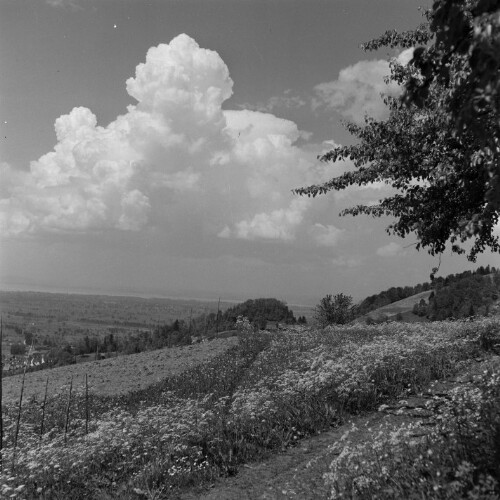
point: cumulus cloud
(279, 224)
(356, 92)
(173, 161)
(390, 250)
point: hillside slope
(403, 307)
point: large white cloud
(174, 161)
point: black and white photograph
(250, 249)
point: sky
(152, 147)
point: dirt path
(298, 472)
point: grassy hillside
(262, 396)
(457, 296)
(403, 307)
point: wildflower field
(261, 396)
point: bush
(335, 310)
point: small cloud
(356, 93)
(225, 233)
(279, 224)
(332, 143)
(305, 135)
(72, 4)
(391, 250)
(406, 56)
(285, 101)
(349, 262)
(327, 236)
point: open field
(117, 376)
(262, 396)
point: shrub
(335, 310)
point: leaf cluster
(465, 61)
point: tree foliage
(465, 61)
(334, 310)
(259, 312)
(439, 148)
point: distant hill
(403, 308)
(389, 296)
(471, 293)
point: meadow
(262, 395)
